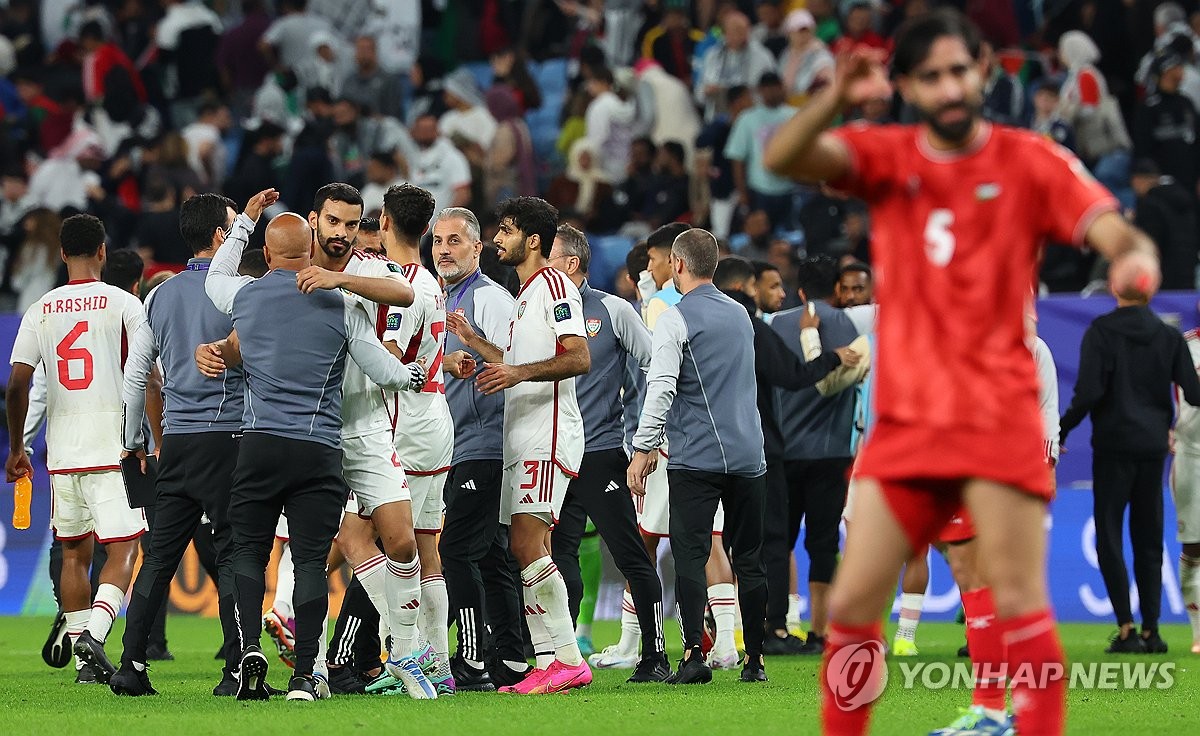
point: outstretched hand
(861, 76)
(259, 202)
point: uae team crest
(593, 327)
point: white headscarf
(1076, 49)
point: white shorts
(534, 487)
(93, 503)
(425, 442)
(1185, 489)
(281, 529)
(427, 505)
(654, 509)
(373, 472)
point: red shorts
(959, 529)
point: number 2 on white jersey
(939, 241)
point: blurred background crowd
(626, 114)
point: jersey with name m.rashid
(81, 332)
(364, 410)
(424, 430)
(541, 418)
(956, 240)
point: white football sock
(910, 615)
(435, 616)
(285, 583)
(1189, 582)
(404, 604)
(539, 635)
(793, 612)
(77, 622)
(105, 608)
(373, 577)
(544, 581)
(321, 664)
(631, 630)
(722, 599)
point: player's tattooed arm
(459, 325)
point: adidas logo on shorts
(612, 486)
(526, 499)
(469, 485)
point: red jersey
(956, 239)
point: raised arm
(800, 148)
(223, 282)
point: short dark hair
(664, 237)
(916, 37)
(732, 271)
(254, 263)
(93, 30)
(532, 216)
(736, 91)
(816, 276)
(81, 235)
(199, 218)
(368, 225)
(761, 267)
(603, 74)
(855, 267)
(637, 260)
(384, 158)
(123, 268)
(769, 79)
(410, 207)
(675, 150)
(338, 192)
(208, 106)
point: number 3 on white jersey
(939, 241)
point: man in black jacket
(1128, 360)
(1166, 210)
(775, 365)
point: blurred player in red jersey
(961, 208)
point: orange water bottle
(22, 496)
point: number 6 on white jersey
(939, 241)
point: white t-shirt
(363, 408)
(475, 124)
(439, 170)
(424, 431)
(541, 418)
(80, 331)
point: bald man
(293, 338)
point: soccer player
(424, 431)
(290, 457)
(1185, 490)
(474, 544)
(958, 206)
(615, 336)
(706, 340)
(202, 424)
(82, 327)
(543, 430)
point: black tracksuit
(1128, 361)
(1167, 213)
(777, 366)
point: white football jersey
(424, 431)
(363, 408)
(81, 331)
(1187, 426)
(541, 418)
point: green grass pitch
(35, 699)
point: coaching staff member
(700, 394)
(293, 349)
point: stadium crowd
(621, 145)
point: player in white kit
(424, 430)
(543, 429)
(1185, 489)
(80, 332)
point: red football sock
(836, 718)
(985, 640)
(1037, 672)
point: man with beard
(438, 167)
(948, 430)
(543, 429)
